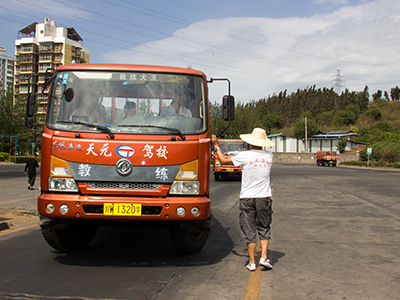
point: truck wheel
(68, 235)
(187, 237)
(216, 177)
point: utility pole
(338, 82)
(305, 129)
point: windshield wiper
(101, 127)
(176, 130)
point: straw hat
(257, 138)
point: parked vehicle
(229, 147)
(327, 158)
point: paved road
(13, 186)
(335, 236)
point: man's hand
(214, 140)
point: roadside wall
(306, 158)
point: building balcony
(44, 61)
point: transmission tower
(337, 82)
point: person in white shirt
(255, 193)
(177, 108)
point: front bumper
(153, 209)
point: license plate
(122, 209)
(229, 170)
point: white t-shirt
(256, 170)
(170, 110)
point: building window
(44, 67)
(46, 57)
(46, 47)
(58, 47)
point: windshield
(136, 102)
(232, 147)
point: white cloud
(262, 56)
(331, 1)
(51, 7)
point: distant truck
(229, 147)
(328, 158)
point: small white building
(320, 142)
(284, 143)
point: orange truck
(328, 158)
(229, 147)
(124, 143)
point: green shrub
(375, 113)
(376, 164)
(21, 159)
(4, 156)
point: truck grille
(123, 186)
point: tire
(216, 177)
(68, 235)
(187, 237)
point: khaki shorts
(255, 217)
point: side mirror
(30, 105)
(28, 123)
(228, 108)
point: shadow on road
(134, 246)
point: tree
(274, 120)
(395, 93)
(341, 145)
(346, 117)
(12, 123)
(377, 95)
(299, 127)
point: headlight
(64, 209)
(185, 188)
(217, 163)
(181, 211)
(59, 184)
(195, 211)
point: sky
(262, 46)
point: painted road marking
(253, 285)
(5, 232)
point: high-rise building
(6, 70)
(41, 47)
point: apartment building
(6, 70)
(41, 47)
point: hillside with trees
(377, 121)
(376, 118)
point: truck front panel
(117, 145)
